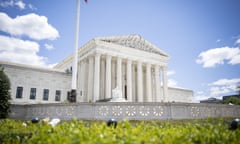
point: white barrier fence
(124, 110)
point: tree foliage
(4, 94)
(233, 100)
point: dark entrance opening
(125, 94)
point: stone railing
(124, 110)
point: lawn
(209, 131)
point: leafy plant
(4, 94)
(209, 131)
(233, 100)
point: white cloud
(20, 4)
(218, 88)
(31, 25)
(7, 3)
(172, 83)
(218, 40)
(200, 95)
(224, 86)
(212, 57)
(226, 82)
(48, 46)
(170, 72)
(216, 91)
(11, 3)
(20, 51)
(238, 41)
(32, 7)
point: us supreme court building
(122, 68)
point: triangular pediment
(133, 41)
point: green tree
(4, 94)
(233, 100)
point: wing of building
(121, 68)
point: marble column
(85, 85)
(148, 82)
(96, 77)
(139, 82)
(129, 80)
(83, 79)
(134, 83)
(90, 79)
(80, 81)
(157, 81)
(108, 76)
(102, 78)
(165, 89)
(119, 74)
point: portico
(119, 72)
(129, 63)
(116, 68)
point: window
(58, 95)
(33, 93)
(19, 92)
(45, 94)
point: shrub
(210, 131)
(4, 94)
(233, 100)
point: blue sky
(202, 37)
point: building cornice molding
(31, 67)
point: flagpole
(75, 56)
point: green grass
(209, 131)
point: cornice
(24, 66)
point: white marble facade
(31, 84)
(129, 64)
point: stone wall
(40, 78)
(124, 110)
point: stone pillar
(96, 77)
(139, 82)
(149, 83)
(102, 78)
(108, 77)
(165, 88)
(129, 80)
(134, 83)
(119, 74)
(83, 79)
(90, 79)
(80, 81)
(157, 81)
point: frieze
(136, 42)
